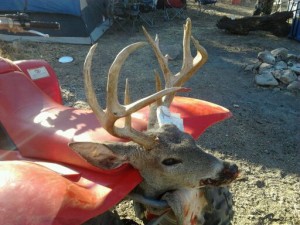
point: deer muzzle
(228, 174)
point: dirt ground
(262, 137)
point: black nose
(230, 171)
(233, 169)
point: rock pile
(277, 68)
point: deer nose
(233, 169)
(230, 171)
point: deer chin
(183, 205)
(187, 205)
(182, 202)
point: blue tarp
(295, 29)
(55, 6)
(70, 7)
(12, 5)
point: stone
(295, 68)
(292, 57)
(277, 73)
(277, 89)
(260, 184)
(290, 63)
(294, 86)
(285, 76)
(81, 105)
(248, 67)
(280, 65)
(264, 67)
(266, 79)
(253, 67)
(266, 57)
(172, 51)
(280, 54)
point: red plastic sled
(43, 181)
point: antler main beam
(114, 110)
(190, 64)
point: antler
(114, 109)
(190, 65)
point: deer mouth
(226, 176)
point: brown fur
(193, 164)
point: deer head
(167, 158)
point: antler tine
(114, 109)
(190, 64)
(162, 60)
(127, 100)
(152, 120)
(113, 104)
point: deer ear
(105, 156)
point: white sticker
(38, 73)
(164, 116)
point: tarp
(295, 29)
(81, 21)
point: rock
(248, 67)
(81, 105)
(253, 67)
(281, 65)
(285, 76)
(294, 86)
(260, 184)
(171, 51)
(292, 57)
(290, 63)
(266, 79)
(296, 68)
(280, 54)
(264, 67)
(288, 93)
(266, 57)
(277, 73)
(277, 89)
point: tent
(81, 21)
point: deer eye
(171, 161)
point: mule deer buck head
(167, 158)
